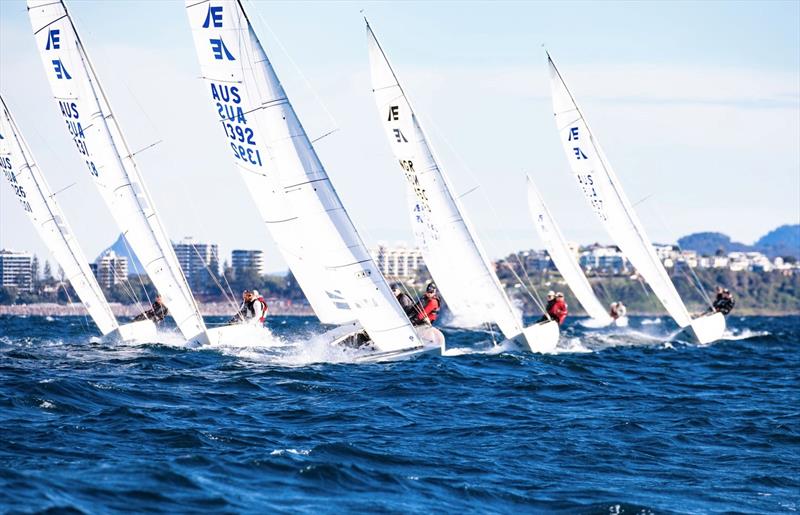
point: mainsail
(291, 189)
(40, 205)
(99, 141)
(602, 190)
(563, 257)
(452, 253)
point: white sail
(602, 190)
(40, 206)
(99, 141)
(452, 253)
(564, 259)
(287, 181)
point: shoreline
(276, 308)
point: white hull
(707, 328)
(236, 334)
(344, 336)
(143, 331)
(541, 337)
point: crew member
(428, 307)
(618, 310)
(406, 302)
(157, 313)
(724, 302)
(551, 301)
(253, 308)
(558, 312)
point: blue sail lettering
(68, 110)
(233, 113)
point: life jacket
(250, 309)
(433, 313)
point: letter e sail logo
(213, 17)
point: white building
(604, 260)
(15, 270)
(198, 261)
(399, 262)
(243, 261)
(110, 269)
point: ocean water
(632, 421)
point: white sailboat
(39, 204)
(604, 193)
(566, 262)
(290, 187)
(452, 253)
(99, 142)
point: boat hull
(142, 331)
(707, 328)
(348, 336)
(541, 337)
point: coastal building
(535, 261)
(15, 270)
(604, 260)
(244, 262)
(110, 269)
(398, 262)
(200, 263)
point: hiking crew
(428, 307)
(157, 313)
(724, 302)
(406, 302)
(618, 310)
(556, 308)
(253, 308)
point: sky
(697, 106)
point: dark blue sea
(629, 422)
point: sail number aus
(19, 191)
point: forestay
(99, 141)
(563, 257)
(291, 189)
(452, 253)
(602, 190)
(39, 204)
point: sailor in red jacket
(558, 309)
(428, 307)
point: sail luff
(470, 285)
(562, 256)
(53, 228)
(101, 143)
(609, 200)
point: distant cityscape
(20, 271)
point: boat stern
(541, 337)
(708, 328)
(143, 331)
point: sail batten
(469, 283)
(102, 146)
(292, 191)
(601, 189)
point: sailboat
(603, 191)
(100, 143)
(566, 262)
(291, 189)
(452, 252)
(39, 204)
